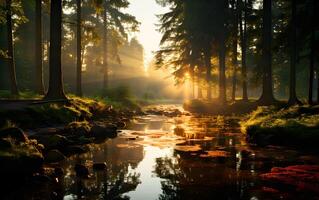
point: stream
(184, 157)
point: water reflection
(113, 183)
(186, 157)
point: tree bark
(79, 50)
(192, 69)
(235, 49)
(208, 74)
(38, 47)
(312, 55)
(222, 69)
(55, 90)
(11, 64)
(222, 55)
(105, 61)
(243, 32)
(267, 97)
(293, 56)
(317, 86)
(199, 89)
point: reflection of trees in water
(112, 183)
(191, 178)
(107, 185)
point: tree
(292, 89)
(235, 6)
(11, 64)
(267, 97)
(222, 49)
(38, 47)
(55, 90)
(105, 56)
(243, 34)
(312, 54)
(78, 49)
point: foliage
(120, 98)
(28, 149)
(296, 124)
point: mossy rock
(54, 156)
(52, 141)
(14, 133)
(98, 131)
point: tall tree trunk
(312, 54)
(38, 47)
(192, 69)
(79, 49)
(222, 54)
(243, 33)
(11, 64)
(199, 89)
(293, 56)
(235, 49)
(267, 97)
(208, 74)
(105, 61)
(317, 86)
(222, 69)
(55, 90)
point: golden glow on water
(187, 156)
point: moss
(297, 125)
(76, 109)
(28, 149)
(6, 94)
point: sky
(145, 11)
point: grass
(76, 109)
(297, 125)
(119, 98)
(216, 108)
(23, 95)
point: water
(186, 157)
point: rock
(14, 133)
(54, 156)
(121, 124)
(5, 144)
(48, 131)
(70, 150)
(98, 131)
(52, 141)
(77, 131)
(81, 171)
(99, 166)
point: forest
(159, 99)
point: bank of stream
(188, 156)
